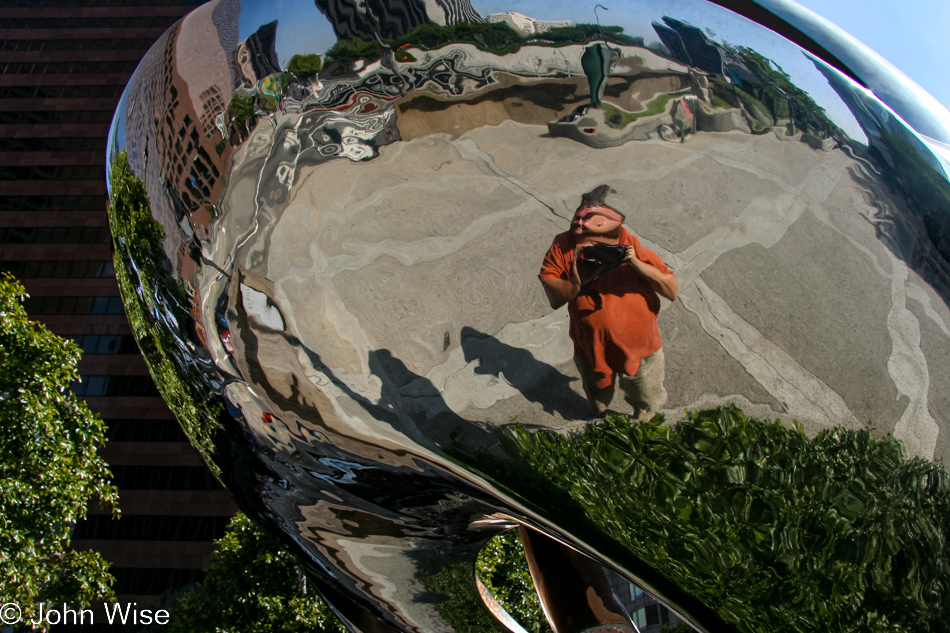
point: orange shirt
(615, 337)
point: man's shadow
(405, 393)
(536, 381)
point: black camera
(599, 254)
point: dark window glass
(66, 68)
(99, 3)
(74, 305)
(110, 44)
(59, 270)
(163, 478)
(652, 613)
(123, 22)
(149, 581)
(107, 344)
(54, 203)
(115, 386)
(664, 615)
(55, 235)
(100, 305)
(53, 172)
(125, 430)
(54, 144)
(150, 528)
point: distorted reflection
(328, 223)
(612, 285)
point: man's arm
(560, 291)
(664, 284)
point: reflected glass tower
(63, 67)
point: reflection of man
(613, 307)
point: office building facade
(63, 67)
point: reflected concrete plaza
(430, 252)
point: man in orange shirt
(612, 305)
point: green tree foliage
(911, 168)
(242, 110)
(157, 308)
(345, 52)
(464, 609)
(777, 97)
(583, 33)
(503, 568)
(496, 37)
(49, 465)
(252, 586)
(837, 533)
(304, 65)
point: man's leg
(644, 391)
(599, 399)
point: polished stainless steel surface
(333, 272)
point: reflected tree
(304, 65)
(775, 97)
(254, 585)
(494, 37)
(764, 525)
(503, 568)
(156, 306)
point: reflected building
(649, 615)
(526, 26)
(256, 57)
(375, 18)
(692, 46)
(185, 157)
(54, 237)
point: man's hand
(576, 276)
(664, 284)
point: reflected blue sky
(911, 34)
(301, 28)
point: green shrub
(304, 65)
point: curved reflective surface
(330, 260)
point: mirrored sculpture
(329, 222)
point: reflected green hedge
(773, 530)
(158, 308)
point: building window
(107, 344)
(56, 235)
(74, 305)
(136, 430)
(148, 581)
(53, 144)
(53, 203)
(149, 528)
(115, 386)
(60, 269)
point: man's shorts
(644, 391)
